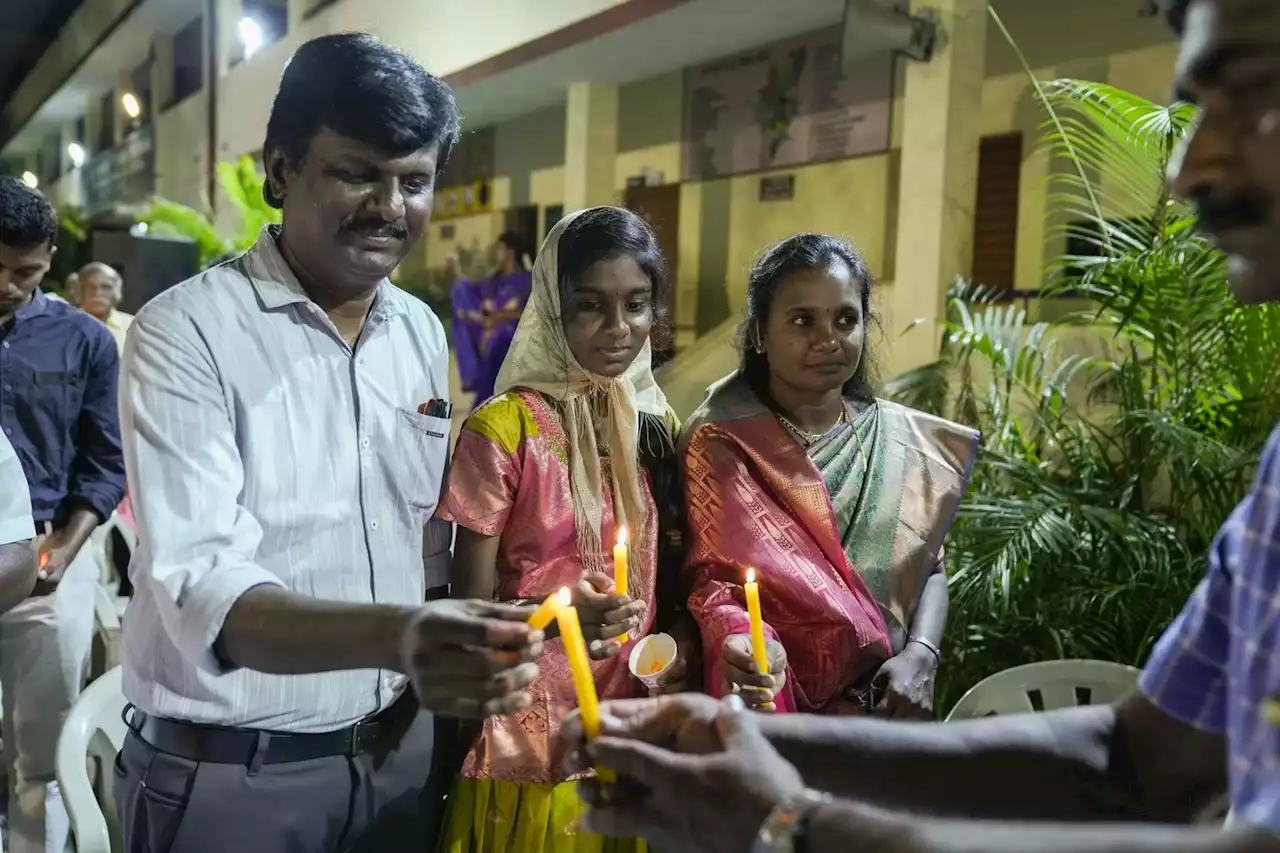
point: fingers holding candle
(752, 590)
(604, 615)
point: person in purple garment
(485, 314)
(707, 777)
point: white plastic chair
(1046, 686)
(94, 732)
(108, 612)
(101, 542)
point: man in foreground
(17, 557)
(58, 378)
(701, 776)
(286, 430)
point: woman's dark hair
(603, 234)
(362, 89)
(513, 241)
(797, 254)
(606, 233)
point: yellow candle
(620, 568)
(575, 647)
(546, 612)
(757, 621)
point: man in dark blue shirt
(58, 374)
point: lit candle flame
(566, 597)
(751, 575)
(622, 535)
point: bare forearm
(17, 573)
(842, 826)
(930, 621)
(1051, 766)
(270, 630)
(79, 527)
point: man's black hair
(362, 89)
(1176, 13)
(26, 217)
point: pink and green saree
(842, 535)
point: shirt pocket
(422, 454)
(52, 393)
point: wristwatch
(783, 830)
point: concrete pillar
(298, 10)
(124, 124)
(161, 73)
(229, 13)
(590, 145)
(70, 181)
(92, 124)
(941, 131)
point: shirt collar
(278, 286)
(39, 302)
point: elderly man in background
(100, 288)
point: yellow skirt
(498, 816)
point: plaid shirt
(1218, 666)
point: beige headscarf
(540, 359)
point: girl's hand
(674, 680)
(739, 674)
(604, 614)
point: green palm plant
(1104, 474)
(242, 186)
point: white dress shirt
(15, 500)
(262, 449)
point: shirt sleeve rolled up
(198, 543)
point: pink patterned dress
(510, 478)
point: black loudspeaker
(148, 265)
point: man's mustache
(1244, 209)
(396, 229)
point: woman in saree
(578, 442)
(485, 314)
(837, 500)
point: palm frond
(1115, 439)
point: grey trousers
(44, 645)
(389, 801)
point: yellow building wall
(445, 37)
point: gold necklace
(810, 438)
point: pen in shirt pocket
(436, 408)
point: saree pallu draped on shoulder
(842, 536)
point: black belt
(255, 747)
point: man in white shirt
(286, 434)
(17, 557)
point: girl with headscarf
(577, 442)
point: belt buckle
(364, 737)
